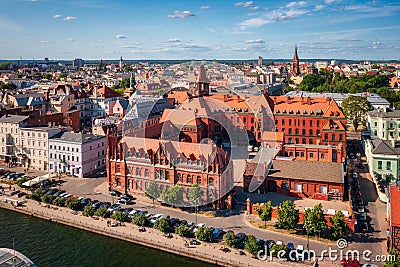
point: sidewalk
(206, 251)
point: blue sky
(220, 29)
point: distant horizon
(265, 60)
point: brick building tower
(295, 65)
(202, 85)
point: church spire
(295, 66)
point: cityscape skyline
(330, 29)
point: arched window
(138, 172)
(179, 177)
(146, 172)
(303, 141)
(166, 175)
(162, 174)
(189, 179)
(198, 181)
(211, 181)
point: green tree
(61, 76)
(125, 83)
(47, 199)
(102, 212)
(230, 239)
(161, 225)
(194, 195)
(183, 230)
(22, 180)
(59, 201)
(5, 65)
(339, 227)
(314, 220)
(288, 215)
(264, 211)
(173, 196)
(47, 76)
(73, 204)
(118, 216)
(140, 220)
(37, 195)
(356, 108)
(394, 260)
(204, 234)
(89, 211)
(153, 191)
(252, 245)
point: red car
(350, 262)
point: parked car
(56, 194)
(97, 204)
(127, 196)
(115, 193)
(66, 196)
(241, 238)
(154, 218)
(124, 200)
(362, 217)
(173, 222)
(218, 233)
(114, 207)
(198, 226)
(349, 262)
(363, 228)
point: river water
(51, 244)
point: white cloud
(46, 42)
(361, 8)
(205, 7)
(70, 39)
(319, 7)
(127, 46)
(56, 16)
(244, 4)
(70, 18)
(254, 23)
(173, 41)
(181, 15)
(331, 1)
(376, 43)
(258, 41)
(120, 36)
(294, 4)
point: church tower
(121, 63)
(202, 85)
(295, 66)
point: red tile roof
(394, 206)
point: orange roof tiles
(307, 106)
(394, 206)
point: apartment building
(77, 154)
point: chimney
(393, 142)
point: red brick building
(300, 178)
(306, 120)
(133, 162)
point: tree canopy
(204, 234)
(173, 196)
(288, 215)
(230, 239)
(153, 191)
(339, 227)
(194, 194)
(161, 224)
(314, 220)
(265, 212)
(252, 245)
(356, 108)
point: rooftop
(308, 170)
(385, 147)
(78, 138)
(394, 206)
(13, 118)
(386, 113)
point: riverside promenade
(208, 252)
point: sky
(219, 29)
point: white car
(354, 175)
(198, 226)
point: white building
(384, 124)
(10, 136)
(81, 155)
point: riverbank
(151, 238)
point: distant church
(295, 71)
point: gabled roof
(384, 147)
(13, 118)
(308, 170)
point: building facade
(384, 124)
(77, 154)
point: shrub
(204, 234)
(230, 239)
(102, 212)
(59, 201)
(183, 230)
(118, 216)
(161, 224)
(140, 220)
(73, 204)
(89, 211)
